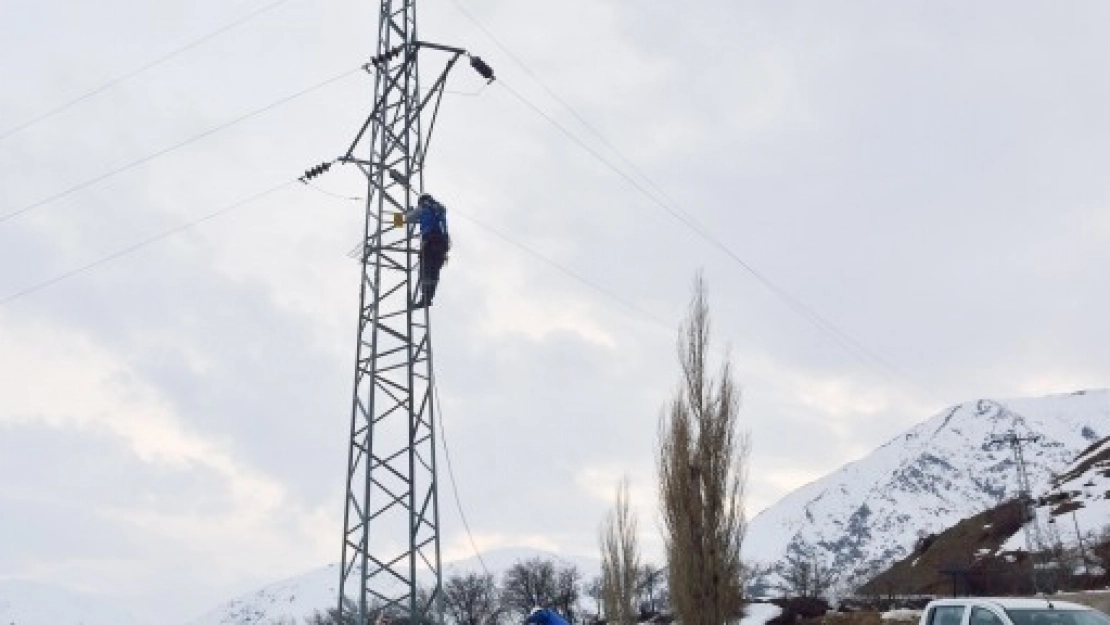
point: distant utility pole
(1034, 539)
(1079, 539)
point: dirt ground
(849, 618)
(857, 618)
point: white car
(1009, 611)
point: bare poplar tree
(620, 561)
(702, 476)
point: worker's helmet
(534, 610)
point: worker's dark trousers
(433, 251)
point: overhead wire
(356, 253)
(471, 93)
(677, 213)
(622, 302)
(799, 307)
(338, 196)
(686, 219)
(139, 70)
(660, 199)
(176, 146)
(629, 305)
(164, 234)
(451, 475)
(555, 96)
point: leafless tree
(527, 584)
(1100, 551)
(755, 577)
(805, 574)
(702, 476)
(471, 599)
(592, 590)
(538, 582)
(333, 617)
(375, 613)
(620, 561)
(650, 580)
(568, 581)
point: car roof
(1012, 603)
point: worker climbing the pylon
(434, 243)
(544, 616)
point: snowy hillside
(869, 513)
(29, 603)
(296, 598)
(1078, 498)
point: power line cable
(338, 196)
(627, 304)
(162, 152)
(182, 227)
(800, 308)
(165, 234)
(551, 92)
(451, 475)
(681, 215)
(565, 270)
(139, 70)
(846, 341)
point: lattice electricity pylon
(1034, 537)
(391, 517)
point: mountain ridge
(868, 514)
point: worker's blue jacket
(546, 616)
(431, 216)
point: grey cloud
(926, 176)
(66, 485)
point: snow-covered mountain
(1085, 488)
(294, 599)
(1078, 498)
(30, 603)
(869, 513)
(1076, 504)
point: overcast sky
(927, 178)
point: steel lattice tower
(1034, 538)
(391, 517)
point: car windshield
(1057, 617)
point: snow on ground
(296, 598)
(30, 603)
(299, 597)
(868, 514)
(759, 613)
(1091, 489)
